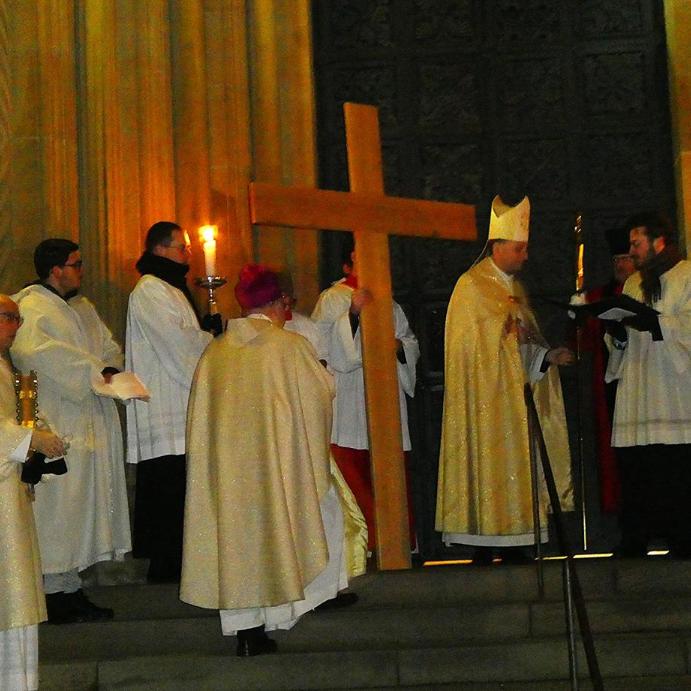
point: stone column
(5, 144)
(58, 70)
(283, 128)
(228, 102)
(108, 155)
(155, 110)
(678, 27)
(190, 117)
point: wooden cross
(372, 216)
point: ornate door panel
(563, 100)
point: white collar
(507, 278)
(257, 315)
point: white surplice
(300, 324)
(653, 403)
(344, 360)
(81, 517)
(163, 345)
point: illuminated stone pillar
(283, 127)
(678, 27)
(57, 69)
(155, 114)
(108, 155)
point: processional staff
(579, 298)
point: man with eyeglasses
(82, 517)
(163, 344)
(22, 606)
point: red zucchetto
(257, 286)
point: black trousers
(656, 496)
(159, 506)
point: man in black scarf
(163, 345)
(651, 358)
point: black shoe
(62, 610)
(88, 609)
(254, 641)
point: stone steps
(540, 660)
(465, 628)
(360, 628)
(600, 578)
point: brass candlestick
(211, 283)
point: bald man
(22, 604)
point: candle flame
(208, 233)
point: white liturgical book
(123, 386)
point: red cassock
(603, 401)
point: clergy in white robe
(163, 345)
(493, 346)
(300, 323)
(652, 413)
(338, 322)
(82, 517)
(22, 604)
(307, 328)
(263, 536)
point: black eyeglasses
(183, 247)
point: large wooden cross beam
(372, 216)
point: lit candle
(208, 236)
(580, 274)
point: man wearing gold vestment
(22, 603)
(264, 531)
(492, 347)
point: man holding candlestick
(163, 345)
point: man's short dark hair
(492, 243)
(160, 233)
(52, 252)
(656, 224)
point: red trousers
(354, 464)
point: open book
(613, 308)
(123, 386)
(617, 308)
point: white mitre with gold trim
(509, 222)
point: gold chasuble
(21, 587)
(484, 487)
(258, 427)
